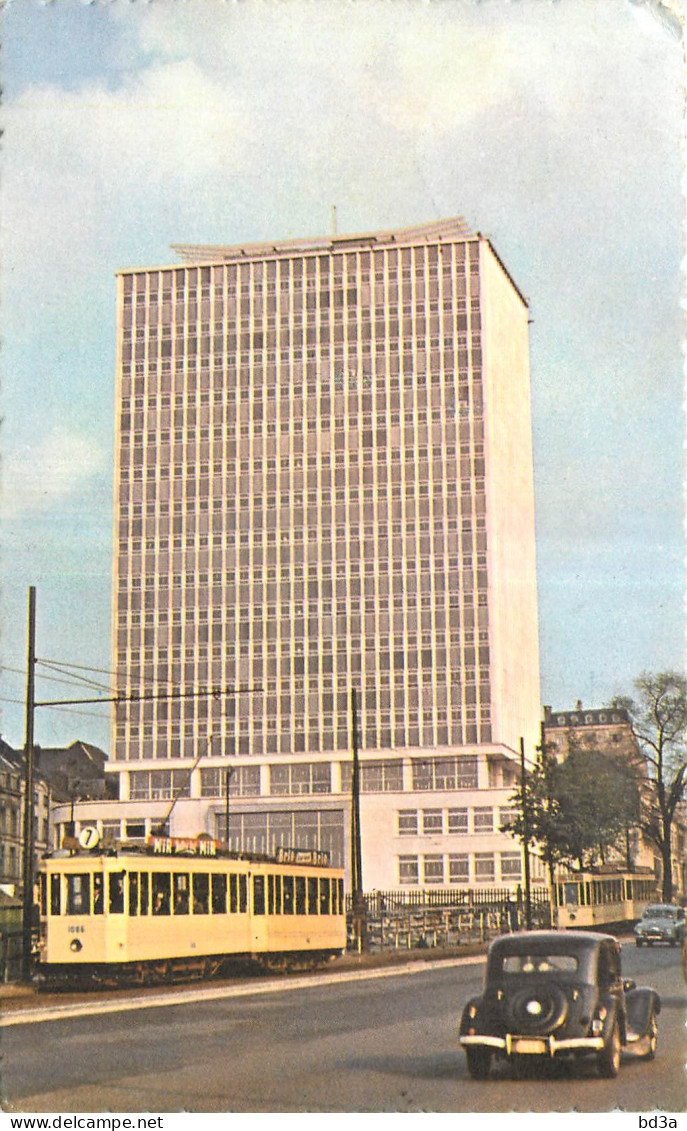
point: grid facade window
(301, 778)
(433, 869)
(444, 773)
(432, 821)
(375, 777)
(226, 367)
(485, 867)
(507, 816)
(458, 821)
(511, 866)
(459, 868)
(244, 781)
(263, 832)
(407, 822)
(158, 785)
(483, 819)
(408, 870)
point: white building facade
(324, 483)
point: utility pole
(28, 829)
(229, 772)
(358, 908)
(525, 837)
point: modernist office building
(324, 482)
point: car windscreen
(659, 913)
(540, 963)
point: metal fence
(11, 954)
(445, 918)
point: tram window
(116, 893)
(162, 891)
(270, 894)
(201, 892)
(300, 895)
(219, 895)
(258, 895)
(335, 897)
(43, 889)
(571, 894)
(98, 893)
(144, 893)
(55, 896)
(243, 893)
(324, 896)
(288, 895)
(181, 893)
(233, 893)
(312, 895)
(340, 886)
(133, 893)
(278, 897)
(79, 894)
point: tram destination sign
(285, 855)
(182, 846)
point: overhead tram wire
(32, 704)
(79, 667)
(74, 680)
(146, 696)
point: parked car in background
(557, 994)
(661, 923)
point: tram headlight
(76, 945)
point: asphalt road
(382, 1044)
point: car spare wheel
(539, 1008)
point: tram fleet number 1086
(177, 908)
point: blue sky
(553, 127)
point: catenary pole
(28, 825)
(357, 897)
(526, 837)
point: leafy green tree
(576, 809)
(536, 811)
(598, 799)
(659, 720)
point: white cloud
(35, 479)
(77, 162)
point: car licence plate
(528, 1045)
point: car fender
(466, 1021)
(615, 1014)
(640, 1003)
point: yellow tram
(179, 908)
(592, 900)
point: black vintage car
(557, 993)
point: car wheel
(673, 942)
(609, 1057)
(479, 1063)
(650, 1041)
(639, 942)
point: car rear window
(539, 963)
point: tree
(659, 721)
(576, 809)
(535, 819)
(598, 800)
